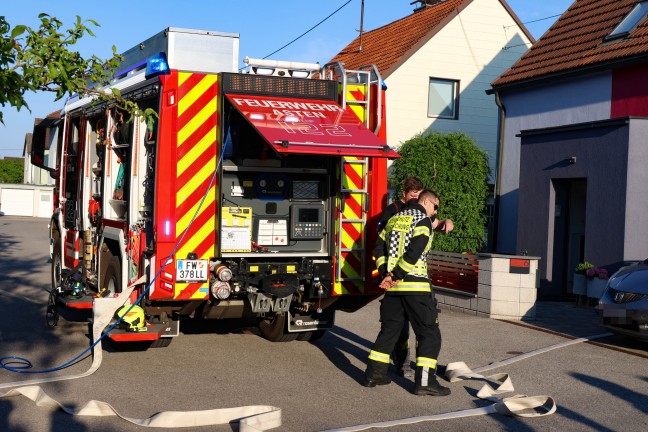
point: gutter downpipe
(498, 179)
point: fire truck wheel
(161, 343)
(56, 263)
(274, 329)
(311, 336)
(112, 280)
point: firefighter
(412, 187)
(400, 255)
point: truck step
(73, 302)
(153, 332)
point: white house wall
(469, 49)
(579, 100)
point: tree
(43, 59)
(457, 169)
(11, 171)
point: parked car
(624, 306)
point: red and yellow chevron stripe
(352, 225)
(197, 142)
(356, 93)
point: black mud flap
(311, 321)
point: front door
(569, 234)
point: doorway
(569, 234)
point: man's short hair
(412, 183)
(429, 194)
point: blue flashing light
(157, 65)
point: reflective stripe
(426, 362)
(380, 261)
(406, 289)
(378, 356)
(411, 286)
(407, 267)
(422, 230)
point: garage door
(45, 203)
(17, 202)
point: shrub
(457, 169)
(582, 267)
(598, 272)
(11, 170)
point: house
(572, 169)
(43, 136)
(437, 64)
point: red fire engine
(251, 195)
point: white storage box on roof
(189, 50)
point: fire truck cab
(250, 195)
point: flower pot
(580, 284)
(596, 287)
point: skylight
(630, 21)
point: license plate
(192, 270)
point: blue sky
(264, 26)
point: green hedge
(457, 169)
(11, 171)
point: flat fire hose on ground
(518, 405)
(251, 418)
(263, 417)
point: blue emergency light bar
(157, 65)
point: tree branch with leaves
(44, 59)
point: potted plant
(597, 278)
(580, 280)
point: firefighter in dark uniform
(400, 255)
(412, 187)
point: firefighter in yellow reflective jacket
(400, 255)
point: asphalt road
(315, 384)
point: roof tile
(577, 40)
(388, 44)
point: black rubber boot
(432, 387)
(401, 358)
(376, 374)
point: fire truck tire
(57, 263)
(112, 280)
(274, 329)
(161, 343)
(311, 336)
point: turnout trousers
(422, 313)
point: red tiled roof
(576, 41)
(389, 45)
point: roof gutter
(498, 175)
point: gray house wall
(601, 157)
(579, 100)
(610, 158)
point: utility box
(188, 49)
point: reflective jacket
(402, 249)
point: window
(630, 21)
(443, 98)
